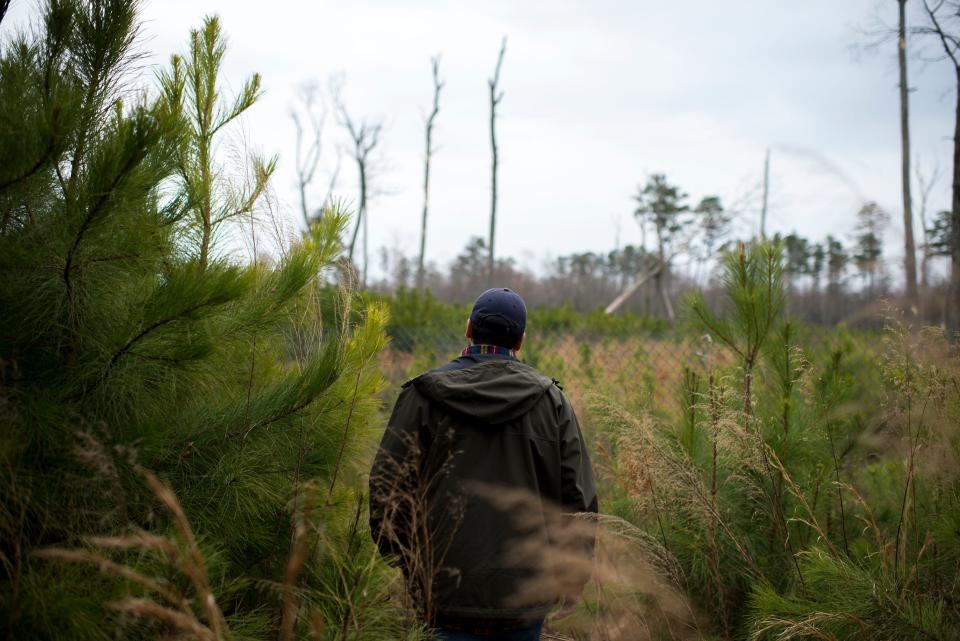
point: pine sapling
(194, 81)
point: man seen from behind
(477, 456)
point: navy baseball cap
(501, 312)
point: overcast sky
(597, 95)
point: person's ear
(469, 332)
(516, 347)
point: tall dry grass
(172, 593)
(812, 492)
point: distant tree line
(828, 279)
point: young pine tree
(128, 342)
(803, 492)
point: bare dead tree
(909, 248)
(437, 86)
(495, 97)
(332, 183)
(766, 195)
(944, 26)
(926, 183)
(308, 144)
(364, 137)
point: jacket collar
(474, 350)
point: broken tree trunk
(625, 295)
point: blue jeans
(529, 633)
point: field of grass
(185, 437)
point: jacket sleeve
(578, 493)
(393, 476)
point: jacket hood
(493, 392)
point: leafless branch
(945, 38)
(364, 137)
(327, 198)
(307, 159)
(926, 183)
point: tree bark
(909, 249)
(365, 137)
(493, 198)
(665, 297)
(423, 220)
(618, 302)
(766, 195)
(361, 216)
(362, 206)
(206, 180)
(303, 205)
(952, 308)
(437, 86)
(662, 272)
(366, 228)
(307, 161)
(953, 304)
(495, 99)
(926, 186)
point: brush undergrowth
(804, 491)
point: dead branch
(307, 159)
(437, 86)
(364, 136)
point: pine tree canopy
(132, 338)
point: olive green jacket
(475, 460)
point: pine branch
(129, 165)
(343, 439)
(144, 333)
(44, 157)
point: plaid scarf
(488, 349)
